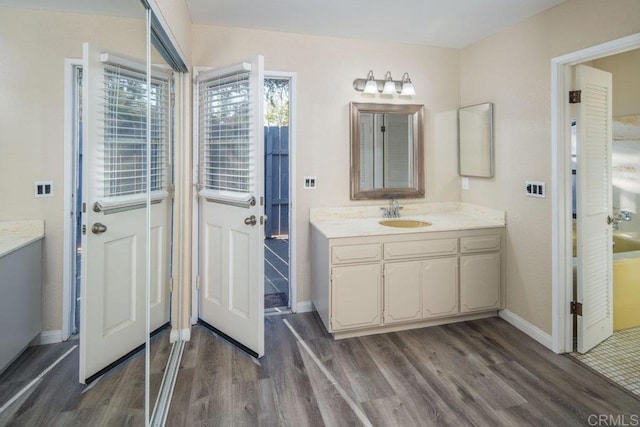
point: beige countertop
(17, 234)
(344, 222)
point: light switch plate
(535, 189)
(43, 189)
(310, 182)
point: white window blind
(124, 132)
(225, 133)
(398, 158)
(366, 151)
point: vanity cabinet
(356, 296)
(371, 284)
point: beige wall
(512, 69)
(176, 15)
(625, 68)
(33, 46)
(326, 68)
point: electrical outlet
(43, 189)
(465, 183)
(535, 189)
(310, 182)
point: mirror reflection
(475, 140)
(386, 151)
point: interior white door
(112, 319)
(231, 259)
(594, 206)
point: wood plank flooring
(58, 399)
(483, 372)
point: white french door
(594, 207)
(231, 212)
(114, 114)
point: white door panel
(230, 138)
(594, 201)
(113, 262)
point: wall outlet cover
(465, 183)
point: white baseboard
(526, 327)
(304, 307)
(47, 337)
(180, 335)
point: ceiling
(445, 23)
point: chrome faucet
(393, 211)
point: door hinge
(261, 201)
(575, 308)
(575, 96)
(198, 282)
(84, 207)
(173, 99)
(170, 284)
(331, 323)
(84, 229)
(171, 189)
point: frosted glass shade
(408, 89)
(389, 88)
(371, 87)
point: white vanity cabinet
(371, 284)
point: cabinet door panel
(402, 293)
(440, 287)
(356, 296)
(480, 282)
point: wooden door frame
(562, 253)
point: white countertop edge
(369, 226)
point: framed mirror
(387, 151)
(475, 140)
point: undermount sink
(404, 223)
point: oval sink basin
(404, 223)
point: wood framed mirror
(387, 151)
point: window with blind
(125, 128)
(225, 133)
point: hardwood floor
(483, 372)
(58, 399)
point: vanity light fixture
(407, 86)
(388, 86)
(371, 86)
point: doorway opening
(616, 354)
(277, 131)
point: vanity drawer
(420, 248)
(350, 254)
(490, 242)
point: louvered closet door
(114, 113)
(231, 140)
(594, 201)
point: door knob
(98, 228)
(250, 220)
